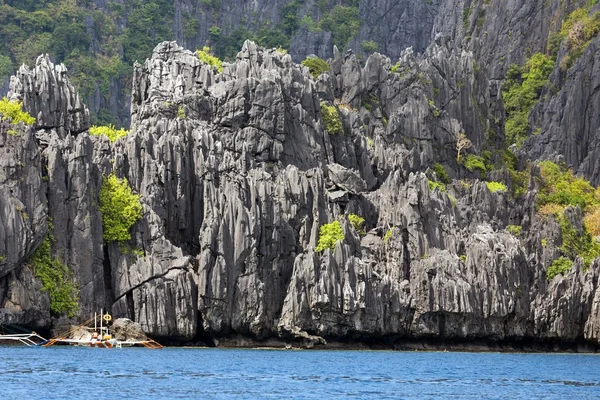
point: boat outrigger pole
(17, 334)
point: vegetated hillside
(424, 197)
(99, 40)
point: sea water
(192, 373)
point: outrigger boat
(98, 336)
(83, 335)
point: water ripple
(65, 373)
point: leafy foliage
(576, 243)
(561, 188)
(433, 185)
(207, 58)
(559, 266)
(316, 66)
(578, 29)
(369, 46)
(521, 91)
(329, 235)
(441, 173)
(91, 41)
(514, 229)
(358, 223)
(388, 235)
(57, 279)
(343, 23)
(12, 110)
(109, 131)
(331, 117)
(120, 208)
(494, 186)
(473, 162)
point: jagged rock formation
(237, 173)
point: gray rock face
(237, 173)
(305, 43)
(49, 97)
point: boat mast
(101, 318)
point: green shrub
(441, 173)
(521, 91)
(514, 229)
(180, 112)
(329, 235)
(331, 117)
(109, 131)
(453, 200)
(316, 66)
(473, 162)
(369, 46)
(561, 186)
(388, 235)
(120, 209)
(463, 258)
(206, 57)
(496, 187)
(580, 28)
(559, 266)
(577, 244)
(395, 68)
(436, 185)
(358, 223)
(56, 279)
(13, 111)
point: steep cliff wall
(237, 172)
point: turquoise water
(180, 373)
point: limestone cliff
(237, 173)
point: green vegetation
(576, 243)
(388, 235)
(343, 23)
(436, 185)
(358, 223)
(514, 229)
(329, 235)
(559, 266)
(97, 52)
(473, 162)
(561, 188)
(579, 29)
(180, 112)
(56, 277)
(395, 68)
(13, 111)
(120, 209)
(369, 46)
(207, 57)
(100, 43)
(494, 186)
(316, 66)
(463, 258)
(521, 91)
(109, 131)
(441, 173)
(331, 117)
(342, 20)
